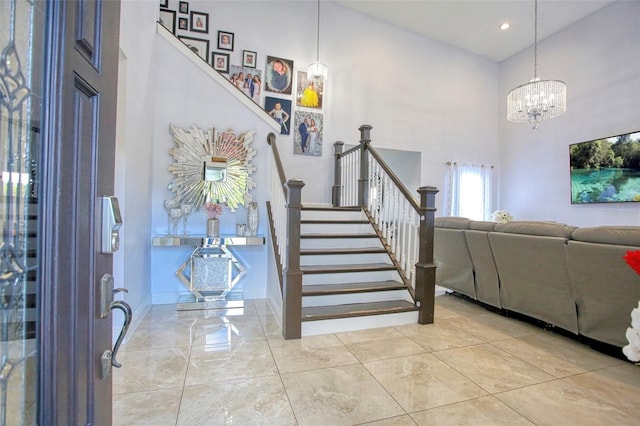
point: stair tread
(338, 236)
(348, 250)
(337, 221)
(360, 267)
(314, 313)
(330, 208)
(345, 288)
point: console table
(211, 270)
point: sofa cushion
(618, 235)
(481, 225)
(452, 222)
(543, 229)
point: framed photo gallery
(281, 87)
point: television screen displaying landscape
(606, 170)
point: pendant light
(538, 99)
(317, 70)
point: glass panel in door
(21, 44)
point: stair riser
(351, 277)
(311, 243)
(311, 328)
(331, 215)
(336, 228)
(344, 299)
(344, 259)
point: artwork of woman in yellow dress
(309, 96)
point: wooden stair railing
(283, 211)
(406, 227)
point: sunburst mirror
(211, 166)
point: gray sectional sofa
(569, 277)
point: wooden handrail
(396, 180)
(271, 140)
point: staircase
(349, 280)
(365, 262)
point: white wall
(599, 59)
(414, 91)
(418, 94)
(134, 147)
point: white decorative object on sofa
(501, 216)
(632, 350)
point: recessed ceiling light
(505, 26)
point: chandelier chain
(318, 35)
(535, 41)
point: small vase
(213, 227)
(252, 219)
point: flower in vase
(214, 210)
(501, 216)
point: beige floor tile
(368, 335)
(150, 370)
(259, 401)
(343, 395)
(437, 337)
(603, 397)
(460, 306)
(161, 334)
(419, 382)
(153, 408)
(386, 348)
(618, 386)
(557, 355)
(237, 360)
(271, 326)
(405, 420)
(310, 353)
(491, 327)
(261, 306)
(231, 374)
(221, 330)
(492, 368)
(485, 411)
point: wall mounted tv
(606, 170)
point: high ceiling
(473, 25)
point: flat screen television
(606, 170)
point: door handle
(108, 358)
(126, 310)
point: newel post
(336, 191)
(425, 268)
(292, 285)
(363, 182)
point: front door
(78, 169)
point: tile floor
(471, 367)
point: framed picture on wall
(309, 93)
(307, 137)
(280, 110)
(198, 45)
(183, 24)
(164, 3)
(183, 7)
(248, 59)
(225, 40)
(220, 61)
(168, 19)
(278, 75)
(248, 80)
(199, 22)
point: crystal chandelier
(317, 70)
(536, 100)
